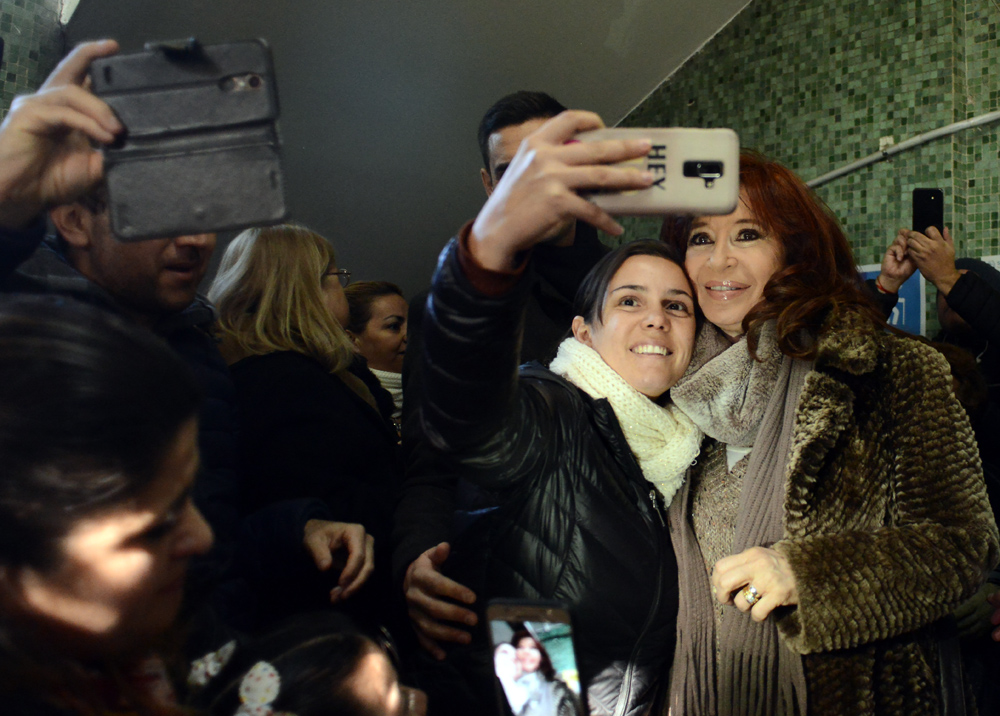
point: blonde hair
(269, 296)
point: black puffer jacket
(576, 520)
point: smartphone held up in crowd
(695, 171)
(928, 210)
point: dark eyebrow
(632, 287)
(698, 223)
(500, 169)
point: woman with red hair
(840, 507)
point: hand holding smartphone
(534, 658)
(695, 171)
(200, 152)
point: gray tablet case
(200, 152)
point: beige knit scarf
(755, 674)
(662, 438)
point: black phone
(928, 210)
(534, 657)
(200, 152)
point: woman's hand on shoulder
(538, 192)
(757, 580)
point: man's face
(503, 146)
(154, 277)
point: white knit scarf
(663, 439)
(393, 382)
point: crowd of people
(751, 494)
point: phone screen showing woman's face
(536, 667)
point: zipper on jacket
(626, 691)
(656, 506)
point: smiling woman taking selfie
(576, 461)
(840, 509)
(98, 442)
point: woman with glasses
(315, 421)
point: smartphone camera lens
(242, 83)
(707, 171)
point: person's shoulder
(851, 342)
(561, 395)
(276, 360)
(281, 371)
(914, 354)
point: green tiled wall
(816, 84)
(33, 44)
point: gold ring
(751, 594)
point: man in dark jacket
(46, 161)
(435, 504)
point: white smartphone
(695, 171)
(534, 657)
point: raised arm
(45, 153)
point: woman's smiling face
(730, 259)
(529, 655)
(645, 331)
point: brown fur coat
(886, 520)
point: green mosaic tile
(33, 46)
(816, 84)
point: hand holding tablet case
(200, 152)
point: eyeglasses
(343, 275)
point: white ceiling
(380, 101)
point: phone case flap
(158, 92)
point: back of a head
(269, 297)
(513, 109)
(318, 662)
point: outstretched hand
(431, 602)
(343, 545)
(538, 191)
(46, 155)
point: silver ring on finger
(751, 594)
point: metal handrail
(889, 152)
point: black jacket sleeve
(885, 302)
(978, 304)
